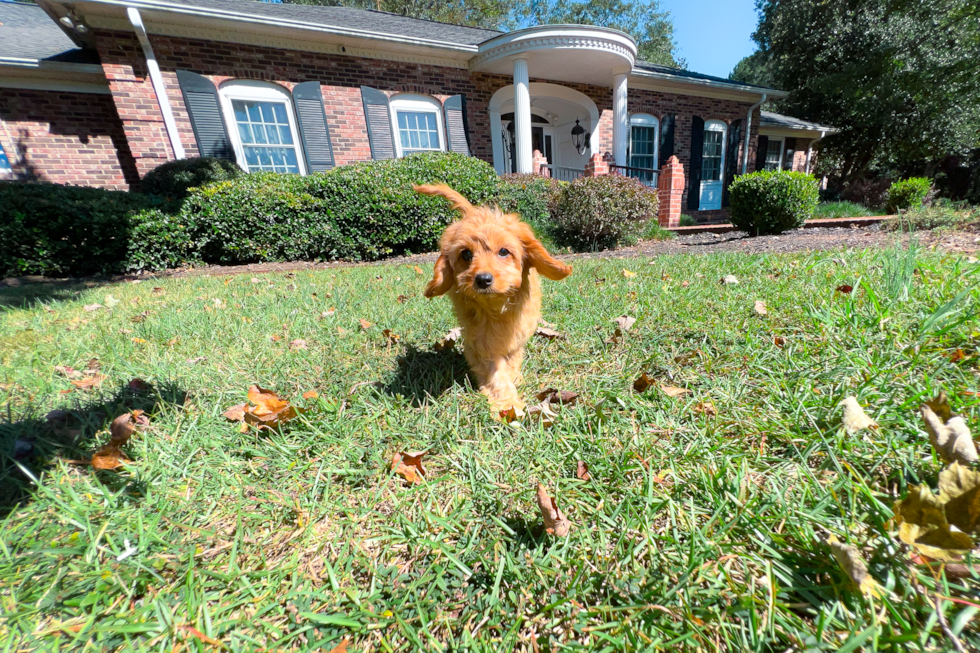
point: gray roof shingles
(26, 32)
(770, 119)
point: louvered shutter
(313, 126)
(760, 153)
(204, 110)
(456, 128)
(789, 154)
(378, 118)
(694, 174)
(666, 148)
(731, 157)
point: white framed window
(4, 161)
(644, 141)
(262, 124)
(774, 154)
(418, 124)
(713, 152)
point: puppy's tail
(442, 190)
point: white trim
(415, 103)
(29, 84)
(537, 89)
(556, 37)
(248, 89)
(645, 120)
(156, 79)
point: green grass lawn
(700, 529)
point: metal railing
(560, 173)
(647, 176)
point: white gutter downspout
(748, 132)
(157, 80)
(809, 150)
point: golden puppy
(490, 262)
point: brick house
(100, 92)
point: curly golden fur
(489, 262)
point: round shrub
(772, 202)
(174, 178)
(602, 212)
(908, 194)
(159, 238)
(531, 196)
(60, 230)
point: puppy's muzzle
(483, 280)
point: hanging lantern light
(580, 138)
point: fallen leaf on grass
(342, 647)
(111, 301)
(779, 341)
(685, 284)
(923, 518)
(365, 325)
(949, 434)
(297, 344)
(642, 383)
(542, 412)
(269, 411)
(408, 464)
(110, 456)
(671, 391)
(550, 334)
(391, 336)
(139, 317)
(89, 382)
(69, 372)
(236, 413)
(311, 394)
(512, 414)
(88, 308)
(624, 322)
(583, 471)
(555, 522)
(854, 417)
(562, 397)
(707, 409)
(417, 269)
(760, 307)
(449, 340)
(139, 385)
(401, 299)
(328, 313)
(850, 560)
(158, 290)
(628, 274)
(194, 632)
(729, 280)
(844, 289)
(195, 361)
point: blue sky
(713, 34)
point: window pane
(773, 151)
(272, 134)
(402, 120)
(268, 114)
(417, 131)
(244, 133)
(254, 113)
(280, 110)
(413, 136)
(252, 156)
(285, 136)
(264, 127)
(240, 114)
(430, 121)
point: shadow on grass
(31, 295)
(36, 442)
(423, 374)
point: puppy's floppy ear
(443, 278)
(442, 190)
(536, 255)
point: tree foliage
(488, 14)
(897, 77)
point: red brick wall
(65, 138)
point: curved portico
(578, 54)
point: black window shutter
(788, 154)
(201, 100)
(694, 174)
(313, 126)
(731, 157)
(666, 139)
(760, 153)
(378, 119)
(456, 125)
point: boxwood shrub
(174, 178)
(595, 213)
(908, 194)
(771, 202)
(534, 198)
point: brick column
(538, 160)
(598, 165)
(670, 191)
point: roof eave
(771, 93)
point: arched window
(262, 125)
(644, 141)
(418, 123)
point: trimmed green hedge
(174, 178)
(908, 194)
(771, 202)
(594, 213)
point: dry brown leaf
(959, 491)
(110, 456)
(69, 372)
(951, 438)
(542, 412)
(139, 385)
(88, 308)
(236, 413)
(779, 341)
(729, 280)
(89, 382)
(760, 307)
(365, 325)
(311, 394)
(562, 397)
(449, 340)
(642, 383)
(408, 464)
(583, 471)
(850, 560)
(550, 334)
(555, 523)
(139, 317)
(275, 337)
(158, 290)
(672, 391)
(194, 632)
(391, 336)
(854, 417)
(512, 414)
(706, 408)
(417, 269)
(685, 284)
(940, 406)
(845, 289)
(401, 299)
(922, 524)
(342, 647)
(624, 322)
(297, 344)
(628, 274)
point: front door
(541, 141)
(712, 156)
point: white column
(621, 120)
(522, 116)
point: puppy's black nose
(483, 280)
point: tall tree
(897, 77)
(489, 14)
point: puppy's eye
(467, 255)
(503, 252)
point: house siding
(65, 138)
